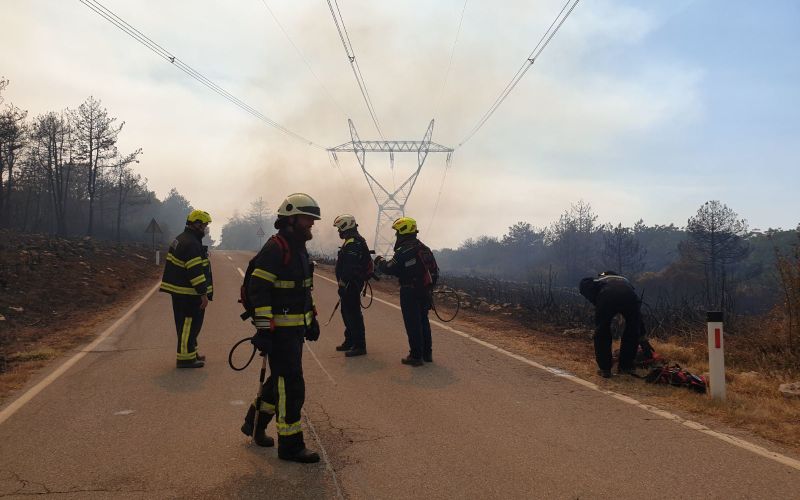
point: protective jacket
(352, 262)
(591, 287)
(405, 263)
(187, 270)
(281, 283)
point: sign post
(260, 234)
(154, 228)
(716, 354)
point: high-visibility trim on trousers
(187, 327)
(285, 428)
(265, 407)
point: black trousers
(610, 302)
(352, 317)
(188, 322)
(284, 391)
(415, 305)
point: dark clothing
(351, 272)
(188, 322)
(613, 295)
(352, 317)
(415, 309)
(352, 261)
(280, 292)
(187, 270)
(415, 300)
(284, 390)
(187, 276)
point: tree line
(63, 173)
(715, 261)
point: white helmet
(344, 222)
(297, 204)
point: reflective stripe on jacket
(187, 270)
(281, 292)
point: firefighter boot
(189, 363)
(293, 448)
(260, 437)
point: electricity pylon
(391, 204)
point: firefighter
(613, 294)
(415, 289)
(284, 315)
(352, 270)
(187, 277)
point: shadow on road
(430, 376)
(184, 380)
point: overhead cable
(450, 62)
(526, 65)
(303, 57)
(140, 37)
(341, 28)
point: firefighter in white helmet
(279, 291)
(353, 268)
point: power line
(526, 65)
(143, 39)
(300, 53)
(450, 62)
(351, 57)
(441, 188)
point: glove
(263, 341)
(312, 332)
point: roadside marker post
(153, 228)
(716, 354)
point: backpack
(429, 270)
(675, 375)
(243, 299)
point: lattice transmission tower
(391, 204)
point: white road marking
(229, 257)
(741, 443)
(124, 412)
(324, 455)
(33, 391)
(240, 271)
(320, 364)
(237, 402)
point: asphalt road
(122, 422)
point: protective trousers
(352, 316)
(188, 321)
(415, 306)
(610, 302)
(284, 391)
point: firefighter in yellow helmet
(279, 292)
(187, 277)
(414, 264)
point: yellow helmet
(198, 216)
(405, 225)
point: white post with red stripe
(716, 354)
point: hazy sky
(642, 109)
